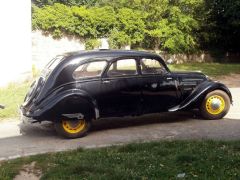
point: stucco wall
(45, 47)
(15, 41)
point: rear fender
(200, 92)
(58, 98)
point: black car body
(111, 83)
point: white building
(15, 41)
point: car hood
(190, 75)
(188, 81)
(187, 73)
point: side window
(90, 69)
(123, 67)
(151, 66)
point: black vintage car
(77, 87)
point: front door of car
(159, 92)
(120, 89)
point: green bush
(92, 44)
(176, 26)
(168, 28)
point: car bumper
(28, 114)
(26, 119)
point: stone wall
(183, 58)
(201, 57)
(45, 47)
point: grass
(210, 69)
(12, 97)
(155, 160)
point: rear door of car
(158, 86)
(120, 88)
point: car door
(159, 90)
(120, 89)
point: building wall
(15, 41)
(184, 58)
(45, 47)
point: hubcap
(215, 104)
(74, 126)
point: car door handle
(169, 78)
(106, 82)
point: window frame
(88, 62)
(151, 74)
(105, 73)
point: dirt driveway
(41, 138)
(232, 80)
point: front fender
(58, 96)
(201, 91)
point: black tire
(206, 109)
(65, 129)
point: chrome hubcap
(215, 104)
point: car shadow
(47, 128)
(124, 122)
(44, 129)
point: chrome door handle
(106, 82)
(169, 78)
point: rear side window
(122, 67)
(90, 69)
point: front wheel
(215, 105)
(72, 128)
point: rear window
(90, 69)
(54, 62)
(51, 65)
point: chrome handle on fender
(169, 78)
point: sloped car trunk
(36, 87)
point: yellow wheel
(215, 105)
(73, 128)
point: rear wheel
(73, 128)
(215, 105)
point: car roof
(112, 53)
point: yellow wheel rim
(215, 104)
(74, 126)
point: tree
(173, 29)
(41, 3)
(57, 19)
(88, 23)
(130, 26)
(221, 25)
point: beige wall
(15, 41)
(45, 47)
(183, 58)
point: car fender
(201, 91)
(58, 96)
